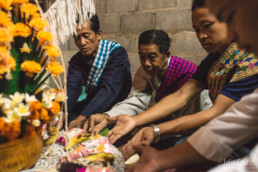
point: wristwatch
(157, 133)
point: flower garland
(27, 59)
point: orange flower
(55, 68)
(29, 9)
(5, 4)
(30, 67)
(44, 115)
(20, 1)
(7, 62)
(55, 109)
(5, 35)
(12, 130)
(5, 19)
(2, 127)
(22, 30)
(37, 23)
(36, 105)
(52, 51)
(44, 36)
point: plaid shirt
(178, 72)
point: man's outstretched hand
(78, 122)
(96, 123)
(124, 124)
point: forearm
(165, 107)
(136, 103)
(180, 156)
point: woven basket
(21, 154)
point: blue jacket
(114, 86)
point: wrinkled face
(241, 18)
(87, 40)
(153, 62)
(211, 33)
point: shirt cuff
(208, 145)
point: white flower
(1, 100)
(6, 104)
(36, 122)
(22, 110)
(49, 94)
(12, 116)
(16, 98)
(47, 103)
(61, 96)
(29, 99)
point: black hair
(198, 4)
(155, 36)
(94, 23)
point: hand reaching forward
(144, 137)
(95, 123)
(149, 160)
(78, 122)
(124, 124)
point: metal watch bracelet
(157, 133)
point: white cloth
(247, 164)
(139, 97)
(228, 132)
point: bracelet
(157, 133)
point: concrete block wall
(123, 21)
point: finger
(92, 121)
(112, 119)
(85, 126)
(96, 130)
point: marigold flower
(6, 64)
(31, 66)
(52, 51)
(25, 48)
(2, 127)
(38, 23)
(36, 105)
(22, 30)
(12, 130)
(55, 109)
(5, 35)
(19, 1)
(34, 115)
(29, 9)
(44, 115)
(5, 4)
(44, 36)
(5, 19)
(55, 68)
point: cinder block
(115, 6)
(186, 44)
(110, 24)
(137, 22)
(184, 3)
(134, 61)
(174, 20)
(71, 45)
(155, 4)
(64, 47)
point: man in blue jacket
(98, 75)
